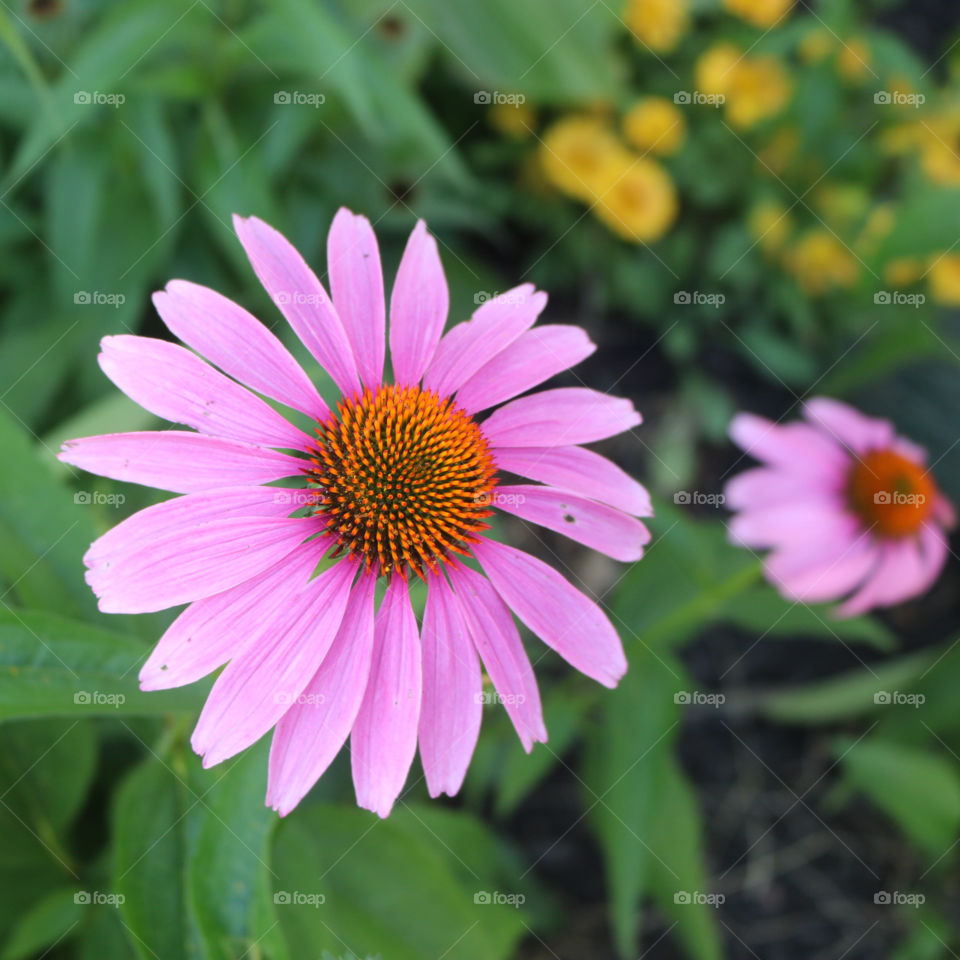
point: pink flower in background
(397, 483)
(847, 508)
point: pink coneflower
(848, 508)
(398, 483)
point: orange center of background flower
(893, 495)
(404, 479)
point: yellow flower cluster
(821, 263)
(937, 140)
(658, 25)
(754, 88)
(761, 13)
(633, 195)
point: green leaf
(847, 695)
(917, 788)
(57, 667)
(554, 51)
(190, 855)
(625, 764)
(343, 865)
(764, 612)
(677, 865)
(43, 534)
(49, 921)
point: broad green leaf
(48, 766)
(57, 667)
(387, 887)
(190, 855)
(919, 789)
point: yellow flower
(903, 271)
(816, 45)
(654, 125)
(770, 224)
(636, 199)
(761, 13)
(657, 24)
(944, 279)
(879, 225)
(854, 60)
(821, 263)
(939, 141)
(514, 121)
(715, 67)
(759, 87)
(575, 150)
(842, 203)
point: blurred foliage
(799, 235)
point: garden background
(767, 781)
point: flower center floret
(892, 494)
(404, 479)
